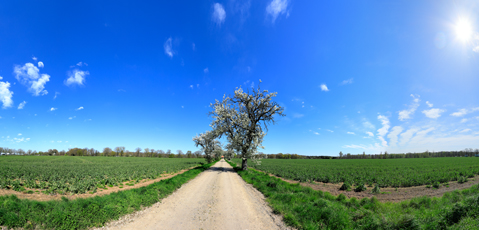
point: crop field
(78, 175)
(384, 172)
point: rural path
(216, 199)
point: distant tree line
(107, 152)
(468, 152)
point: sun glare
(464, 30)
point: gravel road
(216, 199)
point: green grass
(384, 172)
(90, 212)
(76, 175)
(305, 208)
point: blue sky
(401, 76)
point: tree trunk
(244, 165)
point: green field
(384, 172)
(83, 174)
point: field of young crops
(82, 174)
(384, 172)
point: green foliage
(385, 172)
(376, 189)
(462, 179)
(346, 186)
(305, 208)
(76, 175)
(87, 213)
(360, 187)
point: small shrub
(436, 184)
(346, 186)
(360, 187)
(376, 189)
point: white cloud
(34, 58)
(324, 87)
(79, 63)
(56, 93)
(463, 112)
(383, 130)
(433, 113)
(465, 130)
(429, 104)
(406, 114)
(352, 133)
(53, 109)
(476, 49)
(80, 108)
(219, 14)
(206, 70)
(298, 115)
(29, 75)
(393, 135)
(463, 120)
(191, 86)
(345, 82)
(370, 134)
(76, 77)
(316, 133)
(168, 46)
(406, 136)
(18, 140)
(368, 125)
(40, 64)
(70, 118)
(5, 94)
(19, 134)
(276, 8)
(330, 130)
(21, 105)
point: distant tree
(138, 150)
(189, 154)
(147, 152)
(161, 153)
(208, 144)
(198, 153)
(179, 154)
(241, 119)
(340, 154)
(106, 151)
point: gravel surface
(216, 199)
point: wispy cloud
(406, 114)
(40, 64)
(349, 81)
(352, 133)
(76, 77)
(370, 134)
(56, 94)
(168, 46)
(324, 87)
(80, 108)
(219, 14)
(206, 70)
(298, 115)
(383, 130)
(393, 135)
(429, 104)
(433, 113)
(29, 75)
(5, 94)
(21, 105)
(463, 112)
(276, 8)
(53, 109)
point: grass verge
(305, 208)
(90, 212)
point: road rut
(216, 199)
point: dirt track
(216, 199)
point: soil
(100, 192)
(388, 194)
(216, 199)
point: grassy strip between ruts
(305, 208)
(90, 212)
